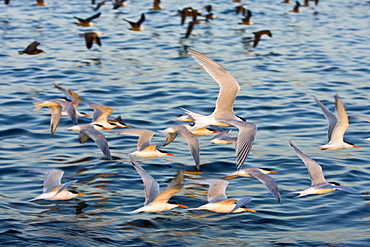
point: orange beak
(171, 154)
(274, 172)
(356, 146)
(81, 194)
(182, 205)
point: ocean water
(146, 77)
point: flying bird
(56, 106)
(217, 200)
(337, 126)
(87, 22)
(155, 201)
(257, 36)
(53, 188)
(73, 97)
(91, 130)
(144, 148)
(136, 26)
(40, 3)
(261, 175)
(190, 138)
(91, 37)
(119, 3)
(319, 185)
(223, 115)
(296, 7)
(246, 19)
(32, 49)
(156, 5)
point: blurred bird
(73, 97)
(241, 9)
(337, 126)
(257, 36)
(155, 201)
(156, 4)
(87, 22)
(136, 26)
(144, 148)
(119, 3)
(6, 2)
(188, 12)
(100, 4)
(246, 19)
(32, 49)
(40, 3)
(56, 106)
(217, 200)
(319, 185)
(260, 174)
(53, 188)
(296, 7)
(91, 37)
(208, 8)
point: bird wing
(101, 112)
(82, 137)
(93, 17)
(314, 169)
(98, 138)
(141, 20)
(189, 29)
(173, 188)
(330, 117)
(89, 40)
(72, 96)
(32, 47)
(268, 181)
(56, 112)
(192, 140)
(246, 136)
(65, 186)
(68, 107)
(241, 201)
(342, 121)
(229, 87)
(144, 136)
(97, 40)
(52, 179)
(151, 187)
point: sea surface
(146, 77)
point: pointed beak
(106, 128)
(74, 103)
(356, 146)
(171, 154)
(81, 194)
(182, 205)
(86, 115)
(250, 210)
(274, 172)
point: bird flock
(222, 117)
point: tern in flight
(144, 148)
(56, 106)
(319, 184)
(223, 115)
(156, 201)
(53, 188)
(337, 126)
(217, 200)
(261, 175)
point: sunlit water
(146, 77)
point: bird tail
(38, 105)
